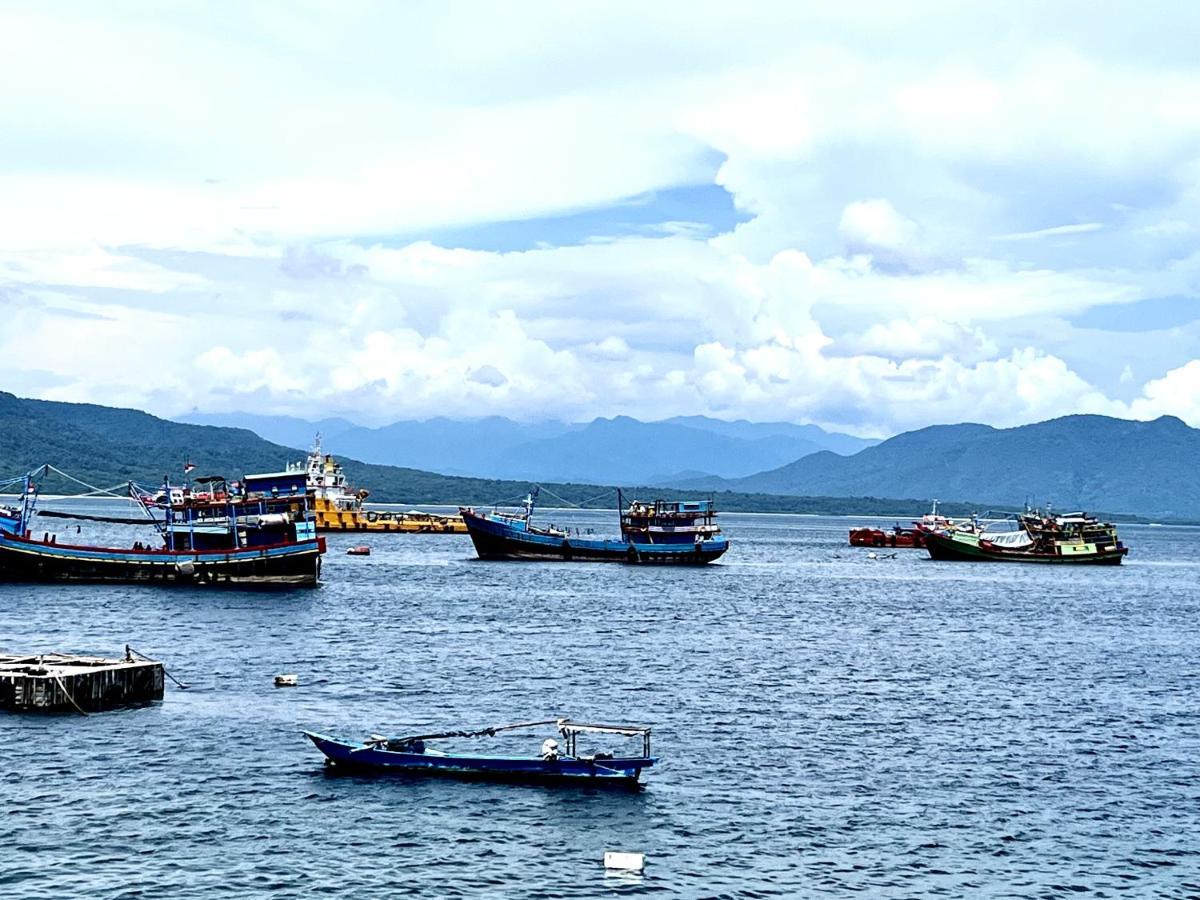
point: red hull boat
(894, 537)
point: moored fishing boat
(241, 539)
(338, 507)
(1072, 539)
(896, 536)
(900, 536)
(413, 755)
(665, 531)
(934, 521)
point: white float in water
(625, 862)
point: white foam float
(624, 862)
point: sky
(869, 216)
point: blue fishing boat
(555, 764)
(251, 535)
(666, 531)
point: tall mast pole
(170, 516)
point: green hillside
(1079, 462)
(107, 446)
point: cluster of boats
(266, 530)
(1031, 536)
(338, 507)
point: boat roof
(566, 726)
(672, 505)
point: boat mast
(29, 495)
(169, 518)
(137, 495)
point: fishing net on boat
(1010, 540)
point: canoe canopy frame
(568, 729)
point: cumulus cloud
(921, 338)
(869, 226)
(920, 224)
(1177, 393)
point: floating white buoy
(625, 862)
(872, 555)
(286, 680)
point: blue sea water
(829, 725)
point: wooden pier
(55, 682)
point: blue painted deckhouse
(683, 532)
(259, 532)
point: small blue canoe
(412, 756)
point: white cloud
(1177, 393)
(257, 196)
(868, 226)
(1055, 231)
(921, 338)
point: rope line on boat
(547, 490)
(517, 498)
(92, 489)
(484, 732)
(114, 520)
(67, 694)
(129, 650)
(583, 503)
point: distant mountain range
(1089, 462)
(1081, 462)
(618, 450)
(106, 447)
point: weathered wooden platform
(55, 682)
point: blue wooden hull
(623, 772)
(496, 539)
(294, 563)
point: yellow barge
(340, 508)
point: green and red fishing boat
(1070, 539)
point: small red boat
(362, 550)
(896, 536)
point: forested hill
(106, 446)
(1088, 462)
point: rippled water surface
(828, 724)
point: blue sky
(872, 217)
